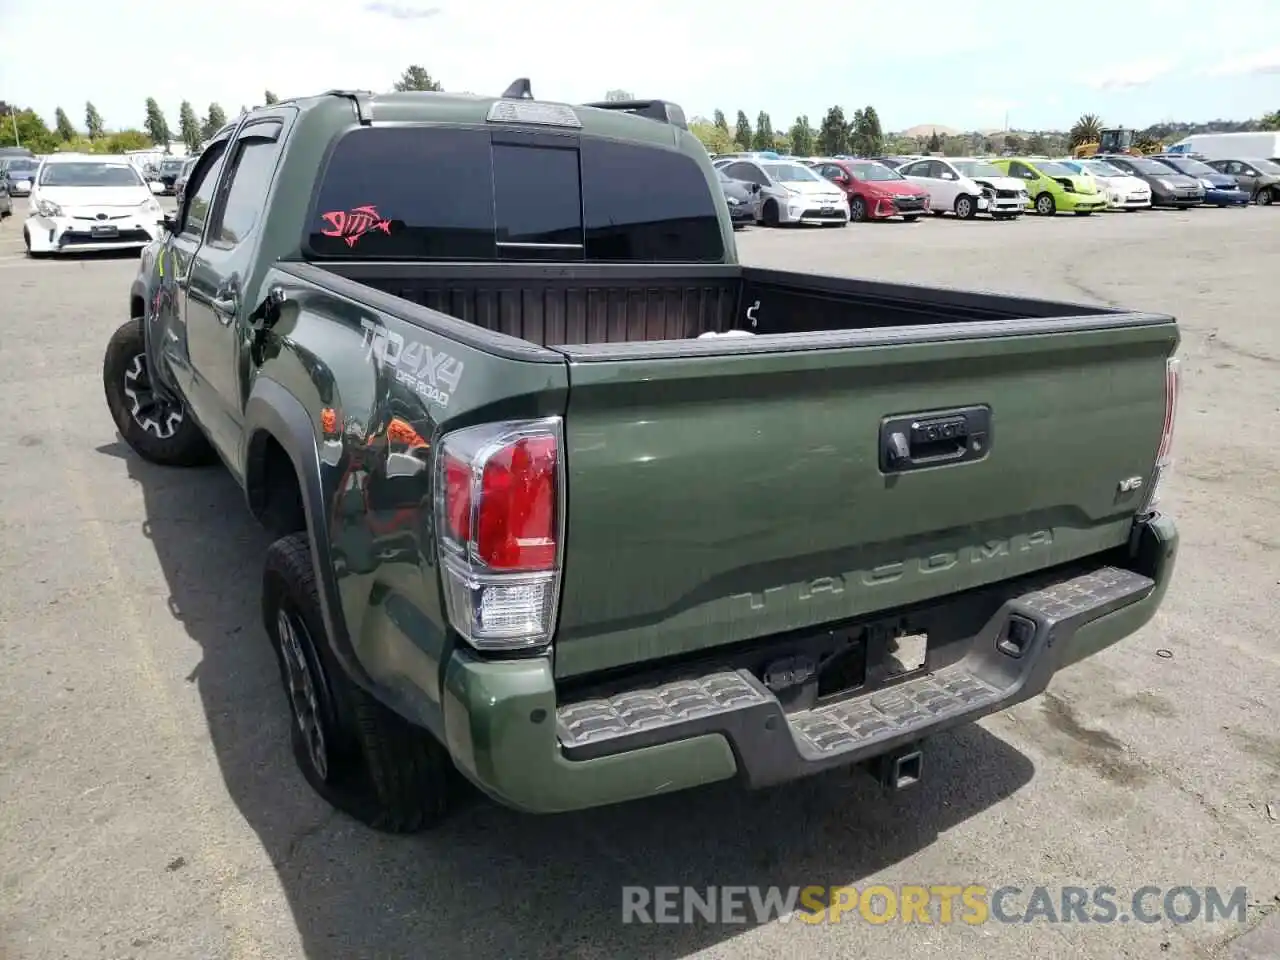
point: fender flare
(274, 411)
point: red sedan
(876, 192)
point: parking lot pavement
(149, 807)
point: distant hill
(929, 129)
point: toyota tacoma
(574, 506)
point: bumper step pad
(636, 710)
(736, 704)
(905, 707)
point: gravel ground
(149, 807)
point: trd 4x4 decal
(431, 374)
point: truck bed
(730, 489)
(579, 305)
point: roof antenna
(520, 90)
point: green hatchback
(1053, 188)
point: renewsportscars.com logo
(939, 904)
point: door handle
(224, 307)
(935, 438)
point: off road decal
(353, 224)
(432, 374)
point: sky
(964, 65)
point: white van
(1231, 146)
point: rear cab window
(450, 193)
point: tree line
(861, 134)
(27, 128)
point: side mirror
(156, 187)
(169, 223)
(948, 175)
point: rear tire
(358, 755)
(1267, 197)
(154, 426)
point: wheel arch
(283, 486)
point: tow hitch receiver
(899, 768)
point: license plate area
(104, 231)
(832, 664)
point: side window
(1017, 169)
(917, 169)
(647, 203)
(537, 196)
(252, 169)
(199, 195)
(406, 193)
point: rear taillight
(499, 523)
(1164, 455)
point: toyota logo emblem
(102, 216)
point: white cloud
(1263, 61)
(1137, 73)
(400, 11)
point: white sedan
(87, 203)
(966, 186)
(1123, 191)
(790, 192)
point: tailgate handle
(933, 439)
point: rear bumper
(507, 732)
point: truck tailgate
(716, 497)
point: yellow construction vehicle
(1116, 140)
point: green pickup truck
(574, 505)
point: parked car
(1123, 191)
(1168, 187)
(180, 182)
(1220, 189)
(1259, 178)
(6, 202)
(167, 173)
(17, 174)
(875, 191)
(82, 202)
(790, 192)
(564, 548)
(1052, 188)
(743, 198)
(952, 190)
